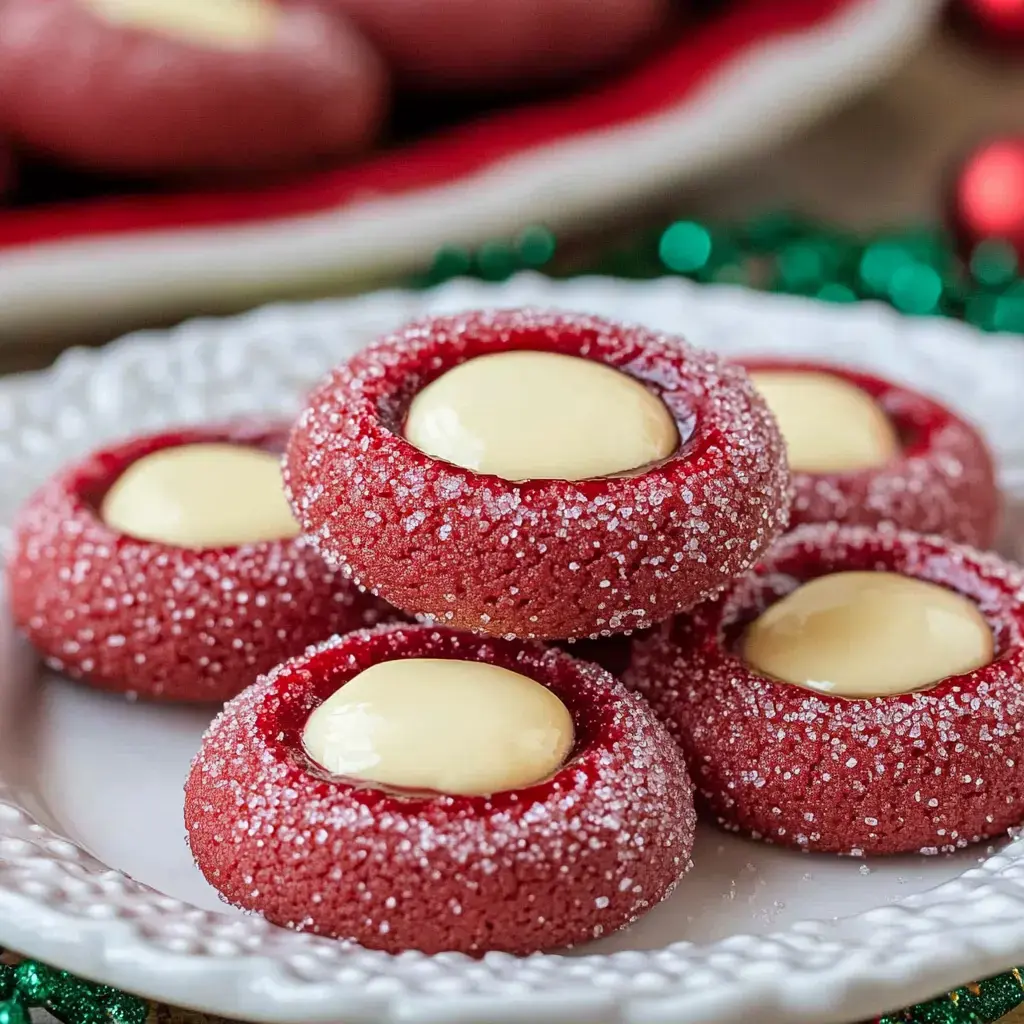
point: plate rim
(807, 973)
(766, 91)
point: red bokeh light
(989, 199)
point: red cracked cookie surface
(123, 99)
(944, 481)
(164, 622)
(569, 859)
(929, 771)
(540, 558)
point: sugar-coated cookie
(177, 614)
(535, 474)
(580, 853)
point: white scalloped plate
(95, 875)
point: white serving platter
(83, 266)
(95, 875)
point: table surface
(884, 160)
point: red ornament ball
(988, 193)
(1001, 21)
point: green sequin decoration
(36, 982)
(71, 1000)
(918, 270)
(12, 1011)
(122, 1008)
(984, 1003)
(686, 247)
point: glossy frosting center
(202, 495)
(454, 727)
(868, 634)
(541, 416)
(225, 24)
(828, 424)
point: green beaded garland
(36, 982)
(915, 288)
(12, 1011)
(686, 247)
(449, 262)
(122, 1008)
(496, 261)
(769, 231)
(535, 247)
(918, 271)
(1008, 310)
(983, 1003)
(880, 263)
(69, 999)
(835, 291)
(994, 263)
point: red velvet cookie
(464, 44)
(544, 558)
(568, 859)
(96, 84)
(160, 621)
(941, 479)
(927, 771)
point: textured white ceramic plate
(94, 872)
(757, 96)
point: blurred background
(168, 158)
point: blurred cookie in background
(186, 87)
(503, 44)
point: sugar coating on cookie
(568, 859)
(460, 727)
(188, 88)
(868, 634)
(202, 495)
(541, 416)
(159, 620)
(940, 478)
(928, 771)
(537, 559)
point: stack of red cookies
(481, 507)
